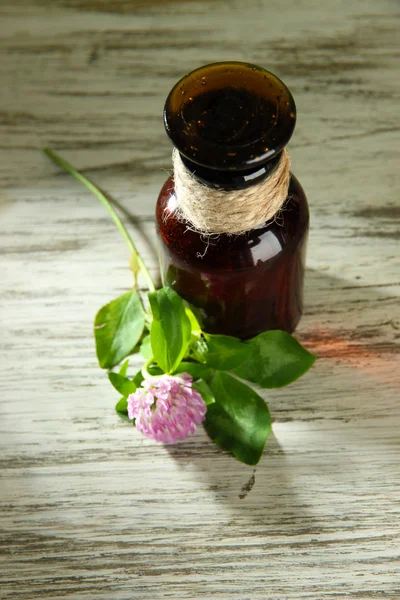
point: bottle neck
(231, 180)
(211, 210)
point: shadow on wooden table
(342, 406)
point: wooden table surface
(91, 509)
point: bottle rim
(268, 130)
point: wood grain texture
(89, 508)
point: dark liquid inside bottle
(229, 117)
(242, 284)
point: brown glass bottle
(230, 122)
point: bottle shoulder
(233, 252)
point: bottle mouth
(230, 116)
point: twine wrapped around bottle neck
(212, 211)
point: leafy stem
(100, 196)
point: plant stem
(100, 196)
(145, 366)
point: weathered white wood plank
(89, 509)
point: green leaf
(205, 391)
(122, 384)
(276, 360)
(196, 370)
(145, 348)
(155, 370)
(137, 380)
(123, 370)
(225, 353)
(239, 420)
(122, 405)
(122, 409)
(194, 323)
(170, 329)
(199, 349)
(118, 327)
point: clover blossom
(167, 408)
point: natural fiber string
(212, 211)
